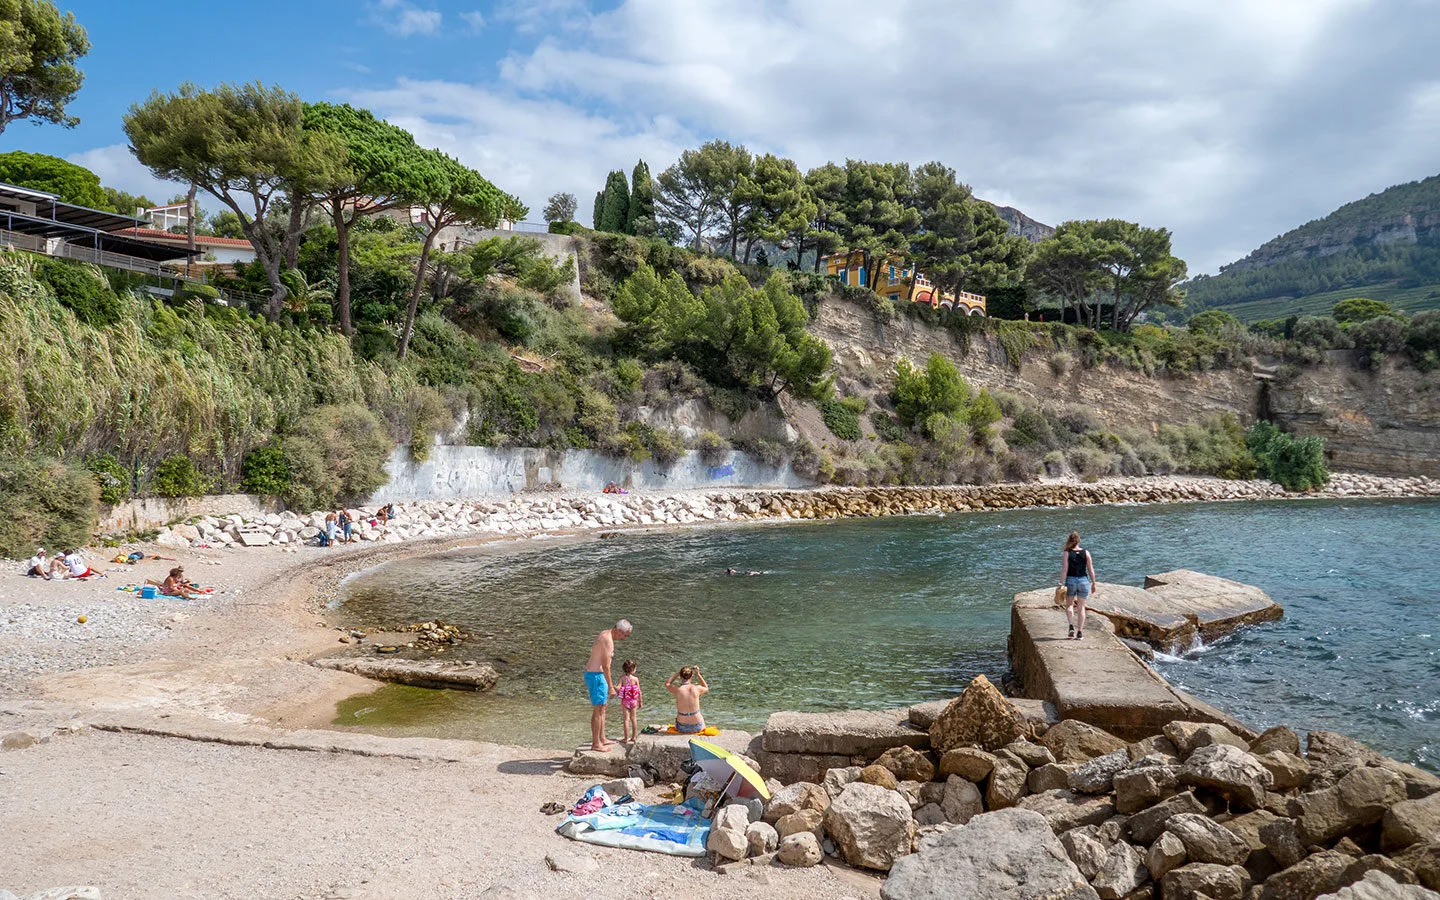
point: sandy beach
(144, 815)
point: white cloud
(404, 19)
(474, 18)
(118, 168)
(1228, 121)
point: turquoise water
(881, 613)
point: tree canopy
(1087, 264)
(72, 183)
(560, 207)
(39, 49)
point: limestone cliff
(1384, 422)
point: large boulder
(1287, 771)
(1320, 873)
(1011, 853)
(800, 849)
(1075, 741)
(1204, 880)
(1007, 783)
(970, 763)
(1121, 872)
(1031, 754)
(1380, 886)
(1049, 777)
(1137, 789)
(1359, 799)
(836, 779)
(1228, 771)
(880, 777)
(979, 717)
(961, 801)
(1065, 809)
(1085, 850)
(1412, 821)
(1147, 825)
(761, 838)
(811, 820)
(1424, 861)
(1191, 736)
(872, 827)
(1097, 776)
(1206, 841)
(794, 797)
(1168, 852)
(907, 764)
(1327, 748)
(1278, 738)
(727, 832)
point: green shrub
(1360, 309)
(714, 449)
(1296, 464)
(1091, 463)
(1377, 338)
(1212, 321)
(176, 476)
(113, 478)
(1031, 429)
(1215, 446)
(265, 471)
(919, 394)
(201, 292)
(47, 503)
(886, 428)
(84, 290)
(335, 455)
(842, 419)
(766, 452)
(1321, 333)
(983, 412)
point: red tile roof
(201, 240)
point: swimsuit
(599, 690)
(629, 695)
(689, 727)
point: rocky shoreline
(529, 515)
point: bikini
(689, 727)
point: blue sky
(1227, 121)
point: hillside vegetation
(1386, 246)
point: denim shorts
(1078, 587)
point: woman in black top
(1077, 576)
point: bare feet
(601, 748)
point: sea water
(887, 612)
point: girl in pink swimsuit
(630, 700)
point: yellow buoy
(82, 620)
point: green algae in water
(884, 613)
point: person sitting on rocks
(687, 696)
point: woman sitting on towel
(687, 695)
(175, 585)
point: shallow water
(887, 612)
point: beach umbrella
(728, 769)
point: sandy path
(150, 817)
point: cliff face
(1023, 225)
(1387, 422)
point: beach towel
(707, 731)
(672, 829)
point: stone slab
(613, 763)
(666, 752)
(1216, 605)
(855, 732)
(1096, 680)
(467, 676)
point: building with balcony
(898, 283)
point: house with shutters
(898, 282)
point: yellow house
(896, 283)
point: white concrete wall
(455, 472)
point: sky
(1226, 121)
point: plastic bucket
(148, 592)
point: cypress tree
(616, 204)
(641, 219)
(599, 208)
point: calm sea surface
(883, 613)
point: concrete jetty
(1101, 681)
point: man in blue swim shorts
(598, 682)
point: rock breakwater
(529, 515)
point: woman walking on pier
(1077, 576)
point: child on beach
(630, 700)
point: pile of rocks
(1000, 803)
(529, 515)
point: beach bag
(1060, 595)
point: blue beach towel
(672, 829)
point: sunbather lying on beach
(687, 695)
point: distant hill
(1386, 246)
(1023, 225)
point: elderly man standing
(598, 681)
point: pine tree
(641, 218)
(615, 205)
